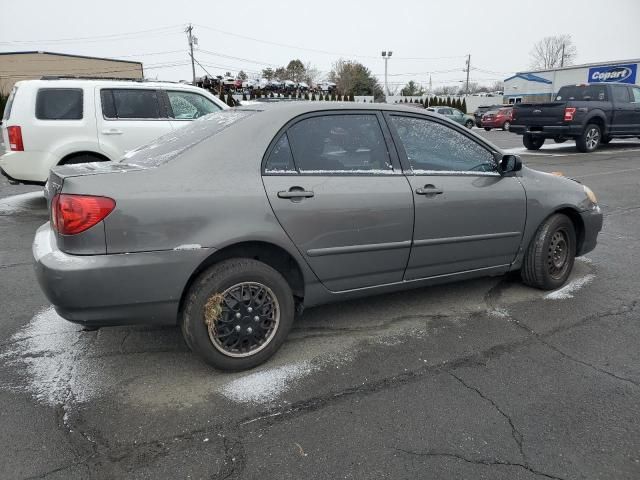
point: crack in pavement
(515, 433)
(479, 461)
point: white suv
(62, 121)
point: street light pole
(386, 55)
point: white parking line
(597, 174)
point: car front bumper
(114, 289)
(592, 221)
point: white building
(541, 85)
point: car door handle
(295, 193)
(112, 131)
(429, 190)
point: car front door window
(433, 147)
(189, 105)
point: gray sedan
(232, 225)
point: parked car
(322, 202)
(64, 121)
(590, 114)
(454, 114)
(500, 118)
(477, 115)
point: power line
(231, 57)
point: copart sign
(614, 73)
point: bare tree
(552, 52)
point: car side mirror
(509, 164)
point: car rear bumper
(118, 289)
(592, 221)
(547, 131)
(26, 167)
(492, 124)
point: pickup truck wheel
(506, 125)
(590, 139)
(237, 314)
(531, 142)
(549, 259)
(559, 139)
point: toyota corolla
(232, 225)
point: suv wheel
(531, 142)
(590, 138)
(549, 259)
(237, 314)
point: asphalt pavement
(484, 379)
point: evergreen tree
(464, 105)
(230, 101)
(271, 95)
(222, 97)
(244, 96)
(313, 97)
(352, 98)
(306, 96)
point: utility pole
(192, 40)
(468, 68)
(562, 57)
(386, 55)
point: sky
(428, 38)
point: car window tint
(339, 144)
(446, 111)
(280, 160)
(59, 104)
(131, 103)
(594, 93)
(189, 105)
(636, 94)
(621, 94)
(431, 146)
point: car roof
(76, 82)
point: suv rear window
(171, 145)
(7, 108)
(59, 104)
(131, 103)
(585, 93)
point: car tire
(559, 139)
(469, 124)
(532, 143)
(235, 285)
(83, 158)
(487, 129)
(549, 259)
(590, 138)
(506, 125)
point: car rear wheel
(237, 314)
(549, 259)
(531, 142)
(506, 125)
(590, 138)
(469, 124)
(487, 128)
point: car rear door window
(621, 94)
(189, 105)
(340, 144)
(433, 147)
(59, 104)
(280, 159)
(131, 103)
(636, 94)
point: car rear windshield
(59, 104)
(169, 146)
(585, 93)
(7, 107)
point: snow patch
(499, 313)
(570, 288)
(265, 386)
(22, 202)
(190, 246)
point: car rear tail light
(73, 214)
(15, 138)
(569, 112)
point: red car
(497, 119)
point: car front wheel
(237, 314)
(532, 143)
(549, 258)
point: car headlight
(590, 195)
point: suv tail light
(73, 214)
(15, 138)
(569, 112)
